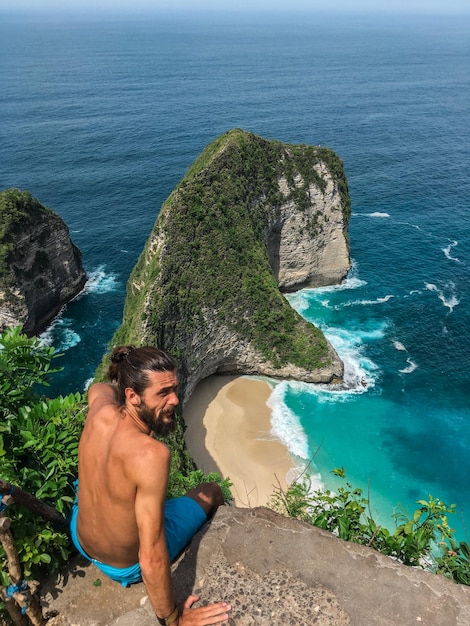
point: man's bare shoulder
(101, 395)
(147, 463)
(151, 453)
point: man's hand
(204, 615)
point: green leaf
(45, 558)
(465, 549)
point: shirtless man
(121, 521)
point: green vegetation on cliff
(207, 256)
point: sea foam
(101, 282)
(399, 346)
(373, 214)
(447, 294)
(411, 367)
(447, 253)
(60, 334)
(286, 425)
(381, 300)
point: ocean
(102, 116)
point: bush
(38, 449)
(178, 484)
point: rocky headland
(252, 218)
(40, 268)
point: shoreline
(229, 431)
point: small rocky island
(40, 268)
(252, 218)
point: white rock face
(309, 248)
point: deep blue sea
(100, 118)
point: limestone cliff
(251, 217)
(40, 268)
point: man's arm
(152, 476)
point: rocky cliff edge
(274, 571)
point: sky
(292, 6)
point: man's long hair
(129, 367)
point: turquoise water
(102, 117)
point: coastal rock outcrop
(250, 219)
(40, 268)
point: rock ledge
(274, 571)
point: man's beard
(156, 424)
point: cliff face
(307, 245)
(251, 217)
(40, 268)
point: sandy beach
(228, 431)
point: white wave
(366, 302)
(411, 367)
(412, 225)
(101, 282)
(69, 339)
(399, 346)
(360, 372)
(352, 281)
(447, 294)
(374, 214)
(315, 478)
(451, 303)
(349, 283)
(385, 298)
(447, 250)
(60, 334)
(301, 300)
(87, 384)
(46, 338)
(286, 425)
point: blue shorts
(183, 518)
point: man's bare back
(122, 513)
(110, 443)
